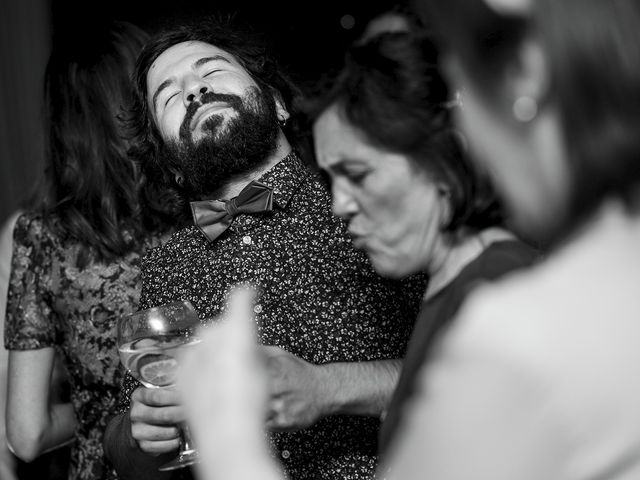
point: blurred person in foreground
(218, 117)
(414, 203)
(76, 252)
(539, 376)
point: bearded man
(216, 124)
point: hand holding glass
(151, 343)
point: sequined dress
(53, 303)
(320, 300)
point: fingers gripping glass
(151, 343)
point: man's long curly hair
(165, 195)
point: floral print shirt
(53, 303)
(321, 300)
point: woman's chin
(388, 267)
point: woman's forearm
(29, 442)
(35, 424)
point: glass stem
(187, 440)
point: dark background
(308, 37)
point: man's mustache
(234, 101)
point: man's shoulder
(297, 183)
(175, 245)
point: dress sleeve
(29, 318)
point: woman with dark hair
(413, 201)
(539, 377)
(76, 252)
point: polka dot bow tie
(213, 217)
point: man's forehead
(187, 52)
(184, 55)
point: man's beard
(227, 150)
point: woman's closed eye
(353, 171)
(355, 174)
(357, 177)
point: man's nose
(195, 91)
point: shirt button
(257, 308)
(285, 454)
(246, 240)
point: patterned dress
(53, 303)
(321, 300)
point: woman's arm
(7, 461)
(302, 393)
(34, 423)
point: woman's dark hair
(593, 51)
(391, 90)
(250, 50)
(89, 182)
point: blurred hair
(391, 90)
(593, 51)
(400, 17)
(89, 182)
(249, 49)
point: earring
(525, 109)
(445, 217)
(282, 121)
(179, 179)
(456, 101)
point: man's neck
(235, 185)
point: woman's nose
(343, 203)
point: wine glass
(150, 343)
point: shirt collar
(285, 177)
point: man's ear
(176, 173)
(281, 110)
(283, 114)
